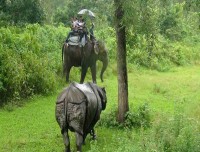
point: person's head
(80, 18)
(73, 18)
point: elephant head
(102, 56)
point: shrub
(21, 11)
(30, 59)
(136, 119)
(165, 53)
(108, 36)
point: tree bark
(123, 106)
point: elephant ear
(102, 94)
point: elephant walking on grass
(78, 109)
(84, 57)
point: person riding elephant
(74, 28)
(82, 29)
(78, 27)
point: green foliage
(103, 11)
(30, 59)
(108, 36)
(51, 8)
(174, 117)
(136, 119)
(40, 46)
(157, 32)
(171, 22)
(61, 17)
(165, 53)
(171, 135)
(21, 11)
(158, 37)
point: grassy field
(173, 98)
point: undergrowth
(30, 61)
(30, 57)
(133, 119)
(176, 134)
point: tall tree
(123, 106)
(22, 11)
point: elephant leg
(67, 73)
(66, 141)
(93, 71)
(83, 73)
(79, 142)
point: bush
(33, 53)
(21, 12)
(108, 36)
(30, 59)
(139, 119)
(136, 119)
(165, 53)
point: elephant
(78, 108)
(84, 57)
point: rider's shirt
(81, 25)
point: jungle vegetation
(159, 36)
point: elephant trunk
(105, 64)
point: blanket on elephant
(75, 40)
(81, 107)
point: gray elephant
(78, 108)
(84, 57)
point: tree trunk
(121, 63)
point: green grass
(32, 127)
